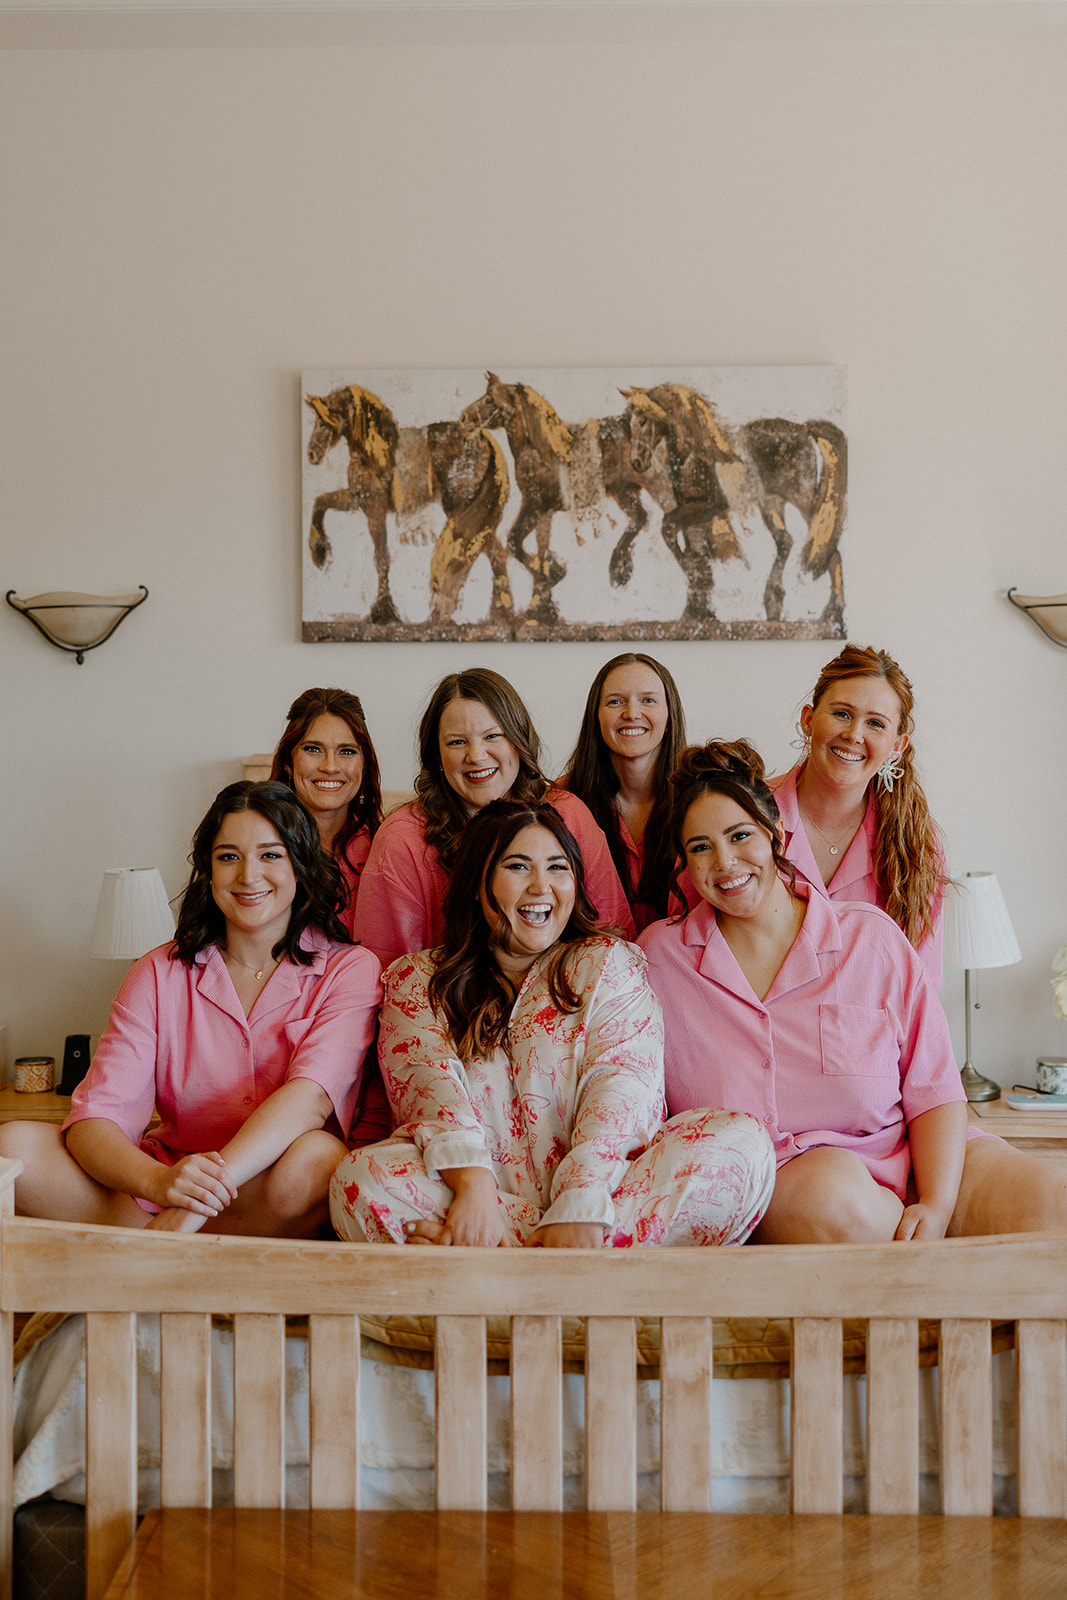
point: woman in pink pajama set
(818, 1018)
(523, 1063)
(246, 1035)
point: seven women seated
(522, 1039)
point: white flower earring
(891, 769)
(802, 741)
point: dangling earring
(802, 741)
(891, 769)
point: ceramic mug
(1052, 1074)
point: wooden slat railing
(536, 1414)
(334, 1412)
(893, 1416)
(110, 1443)
(1041, 1417)
(964, 1284)
(185, 1409)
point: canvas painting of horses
(593, 504)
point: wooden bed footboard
(111, 1274)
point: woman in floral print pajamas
(523, 1059)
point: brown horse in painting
(696, 525)
(369, 429)
(771, 463)
(540, 445)
(804, 464)
(471, 476)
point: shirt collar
(820, 934)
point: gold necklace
(834, 849)
(228, 956)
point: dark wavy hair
(733, 768)
(446, 815)
(592, 777)
(365, 811)
(908, 855)
(318, 877)
(468, 988)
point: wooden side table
(50, 1107)
(1038, 1133)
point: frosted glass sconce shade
(1048, 611)
(77, 622)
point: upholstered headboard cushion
(744, 1347)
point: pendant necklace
(834, 849)
(228, 956)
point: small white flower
(1059, 983)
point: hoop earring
(802, 741)
(891, 769)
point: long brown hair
(318, 880)
(592, 777)
(365, 811)
(909, 857)
(468, 988)
(446, 815)
(733, 768)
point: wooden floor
(462, 1555)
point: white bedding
(750, 1430)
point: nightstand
(1037, 1133)
(48, 1107)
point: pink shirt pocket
(858, 1041)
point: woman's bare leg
(827, 1196)
(290, 1200)
(52, 1184)
(1005, 1191)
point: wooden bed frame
(111, 1274)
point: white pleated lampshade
(132, 914)
(977, 929)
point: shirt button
(765, 1063)
(248, 1099)
(768, 1120)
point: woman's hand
(938, 1139)
(474, 1217)
(567, 1236)
(199, 1183)
(175, 1219)
(923, 1221)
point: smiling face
(252, 878)
(853, 728)
(729, 857)
(478, 760)
(327, 769)
(633, 711)
(533, 887)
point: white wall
(194, 214)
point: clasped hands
(191, 1193)
(476, 1217)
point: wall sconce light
(1048, 612)
(77, 622)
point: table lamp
(133, 915)
(977, 933)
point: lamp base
(975, 1087)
